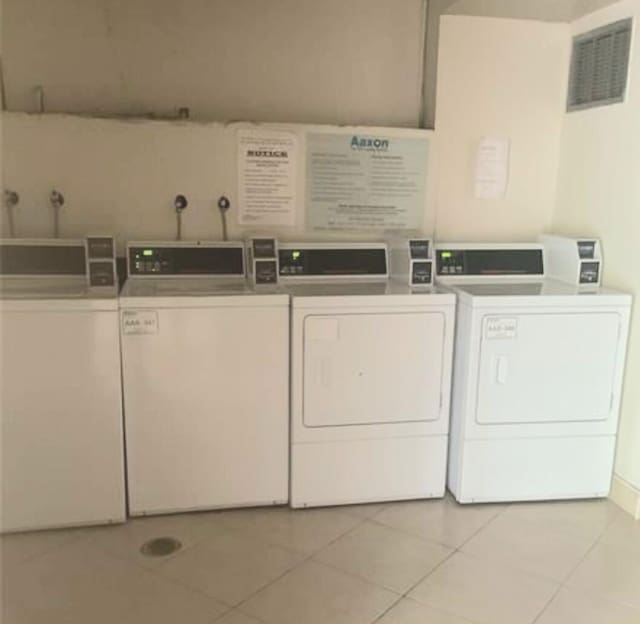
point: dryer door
(557, 367)
(372, 368)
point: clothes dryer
(370, 377)
(538, 370)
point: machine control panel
(100, 247)
(331, 261)
(573, 260)
(489, 262)
(262, 261)
(589, 272)
(263, 247)
(421, 272)
(419, 249)
(450, 262)
(187, 260)
(586, 250)
(42, 258)
(102, 273)
(266, 271)
(411, 260)
(101, 261)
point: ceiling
(544, 10)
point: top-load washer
(370, 377)
(206, 376)
(62, 456)
(538, 369)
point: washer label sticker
(139, 322)
(500, 327)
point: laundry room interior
(320, 312)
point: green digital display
(147, 252)
(446, 254)
(295, 255)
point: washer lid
(155, 292)
(54, 293)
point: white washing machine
(370, 377)
(206, 378)
(538, 371)
(62, 460)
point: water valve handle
(11, 199)
(180, 202)
(56, 198)
(224, 203)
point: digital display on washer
(333, 262)
(42, 259)
(196, 260)
(489, 262)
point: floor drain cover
(160, 547)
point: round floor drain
(160, 547)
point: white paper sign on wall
(266, 177)
(366, 181)
(492, 168)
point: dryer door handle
(502, 369)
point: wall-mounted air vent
(599, 66)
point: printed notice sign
(266, 177)
(501, 328)
(139, 322)
(365, 181)
(492, 169)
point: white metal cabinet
(206, 402)
(62, 443)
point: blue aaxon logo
(369, 143)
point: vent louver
(599, 66)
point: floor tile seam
(235, 609)
(337, 568)
(156, 572)
(405, 533)
(320, 563)
(47, 550)
(511, 567)
(562, 532)
(563, 584)
(248, 535)
(412, 534)
(477, 531)
(557, 589)
(300, 563)
(306, 556)
(418, 582)
(423, 604)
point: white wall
(599, 195)
(121, 177)
(503, 78)
(334, 61)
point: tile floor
(426, 562)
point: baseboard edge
(626, 496)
